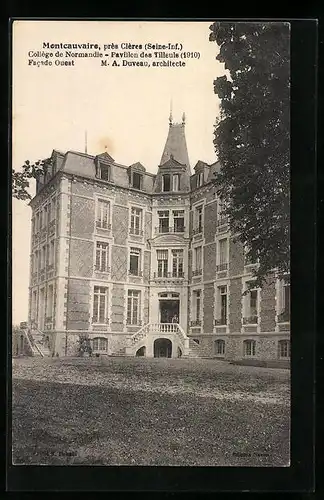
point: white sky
(125, 109)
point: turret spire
(170, 117)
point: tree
(20, 180)
(252, 139)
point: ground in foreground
(131, 411)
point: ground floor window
(100, 344)
(220, 347)
(133, 307)
(249, 347)
(284, 349)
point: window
(199, 219)
(200, 179)
(177, 263)
(49, 212)
(178, 221)
(100, 304)
(220, 347)
(222, 305)
(53, 208)
(100, 344)
(102, 252)
(198, 259)
(162, 260)
(49, 308)
(251, 305)
(103, 214)
(284, 304)
(166, 182)
(176, 182)
(36, 262)
(45, 215)
(163, 221)
(51, 257)
(133, 307)
(197, 306)
(43, 257)
(136, 221)
(37, 227)
(284, 349)
(104, 172)
(137, 180)
(34, 305)
(249, 348)
(47, 254)
(223, 259)
(134, 261)
(41, 223)
(33, 226)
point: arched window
(249, 348)
(220, 347)
(284, 349)
(100, 344)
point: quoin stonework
(145, 264)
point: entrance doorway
(162, 348)
(169, 311)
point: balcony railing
(98, 269)
(196, 322)
(164, 230)
(135, 273)
(222, 267)
(220, 322)
(250, 320)
(168, 275)
(284, 317)
(101, 225)
(197, 272)
(222, 221)
(136, 232)
(197, 230)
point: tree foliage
(21, 179)
(252, 139)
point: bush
(84, 346)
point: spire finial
(183, 118)
(86, 141)
(170, 117)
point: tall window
(222, 305)
(49, 308)
(166, 182)
(251, 301)
(200, 179)
(104, 172)
(163, 221)
(36, 262)
(284, 298)
(162, 261)
(133, 307)
(102, 256)
(221, 215)
(137, 180)
(284, 349)
(249, 348)
(223, 250)
(100, 304)
(136, 220)
(178, 221)
(220, 347)
(198, 259)
(53, 208)
(45, 216)
(103, 214)
(177, 263)
(37, 226)
(43, 257)
(34, 305)
(100, 344)
(197, 306)
(176, 182)
(51, 252)
(199, 219)
(134, 261)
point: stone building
(144, 264)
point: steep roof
(176, 146)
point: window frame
(164, 176)
(136, 217)
(252, 348)
(133, 296)
(96, 320)
(103, 202)
(99, 269)
(135, 252)
(219, 351)
(99, 338)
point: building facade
(145, 264)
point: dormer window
(137, 180)
(176, 182)
(166, 182)
(104, 172)
(200, 179)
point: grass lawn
(133, 411)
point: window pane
(166, 182)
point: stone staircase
(36, 342)
(195, 350)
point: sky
(125, 110)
